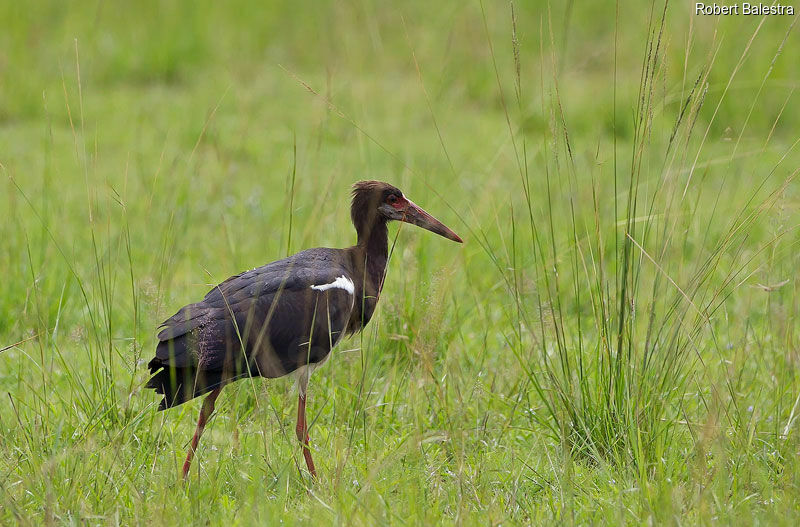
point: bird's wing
(268, 322)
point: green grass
(616, 342)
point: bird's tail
(179, 385)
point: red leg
(205, 412)
(302, 433)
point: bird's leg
(302, 432)
(205, 413)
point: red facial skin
(398, 203)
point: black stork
(283, 317)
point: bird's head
(378, 201)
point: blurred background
(152, 150)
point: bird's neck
(373, 246)
(369, 256)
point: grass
(616, 342)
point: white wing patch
(340, 283)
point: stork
(284, 317)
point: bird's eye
(392, 199)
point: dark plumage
(255, 323)
(285, 316)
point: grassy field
(618, 340)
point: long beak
(417, 216)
